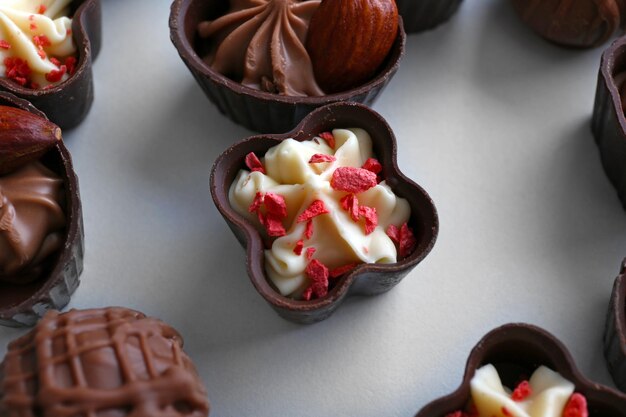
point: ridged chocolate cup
(67, 103)
(421, 15)
(258, 110)
(366, 279)
(518, 349)
(608, 122)
(615, 331)
(572, 23)
(24, 305)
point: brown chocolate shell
(24, 305)
(518, 349)
(366, 279)
(421, 15)
(67, 103)
(572, 23)
(615, 331)
(609, 122)
(254, 109)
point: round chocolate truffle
(575, 23)
(111, 362)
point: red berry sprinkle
(254, 164)
(70, 63)
(506, 412)
(4, 44)
(353, 180)
(351, 204)
(298, 248)
(522, 391)
(320, 157)
(275, 204)
(42, 9)
(17, 70)
(33, 26)
(329, 138)
(274, 226)
(403, 238)
(371, 218)
(55, 61)
(339, 271)
(259, 198)
(317, 272)
(306, 295)
(456, 414)
(576, 406)
(56, 75)
(276, 211)
(309, 253)
(41, 53)
(373, 165)
(41, 41)
(315, 209)
(308, 231)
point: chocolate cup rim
(178, 11)
(607, 65)
(254, 241)
(559, 355)
(85, 54)
(73, 234)
(617, 312)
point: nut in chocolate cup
(421, 15)
(615, 331)
(572, 23)
(518, 349)
(366, 279)
(608, 122)
(258, 110)
(24, 305)
(67, 103)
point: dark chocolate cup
(68, 103)
(572, 23)
(24, 305)
(421, 15)
(615, 331)
(366, 279)
(254, 109)
(608, 122)
(518, 349)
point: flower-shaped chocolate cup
(258, 110)
(67, 103)
(615, 331)
(24, 305)
(518, 349)
(421, 15)
(366, 279)
(609, 123)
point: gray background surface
(492, 121)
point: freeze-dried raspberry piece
(254, 164)
(315, 209)
(371, 218)
(339, 271)
(353, 180)
(306, 295)
(394, 233)
(403, 238)
(522, 391)
(309, 253)
(308, 231)
(298, 248)
(320, 157)
(576, 406)
(275, 204)
(506, 412)
(329, 138)
(351, 204)
(273, 225)
(456, 414)
(373, 165)
(317, 272)
(259, 198)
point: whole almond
(24, 137)
(348, 40)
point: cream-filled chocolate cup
(259, 110)
(615, 331)
(68, 102)
(366, 278)
(421, 15)
(57, 263)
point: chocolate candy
(111, 362)
(615, 331)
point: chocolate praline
(255, 109)
(69, 102)
(573, 23)
(365, 279)
(615, 331)
(421, 15)
(517, 350)
(24, 304)
(110, 362)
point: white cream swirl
(37, 32)
(337, 239)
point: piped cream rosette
(337, 239)
(35, 31)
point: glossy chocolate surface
(23, 305)
(111, 362)
(517, 350)
(68, 103)
(615, 331)
(367, 279)
(254, 109)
